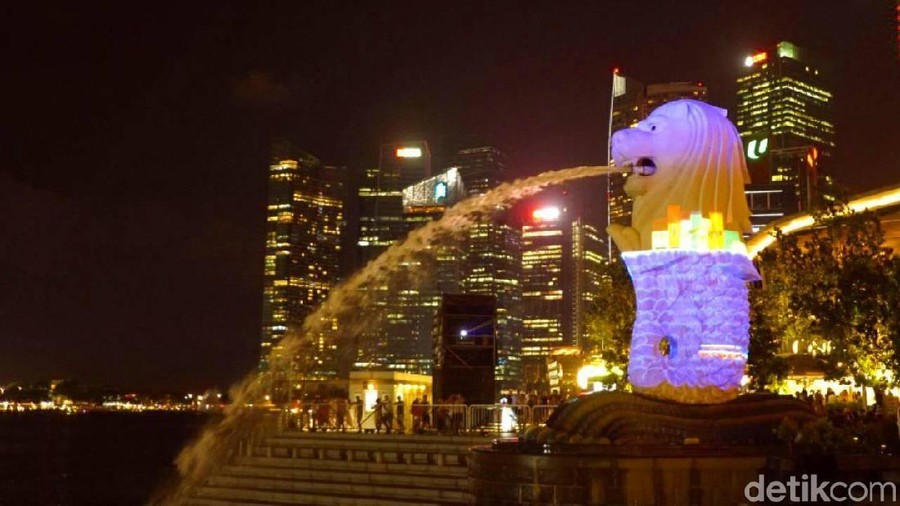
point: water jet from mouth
(347, 303)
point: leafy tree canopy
(836, 291)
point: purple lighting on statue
(691, 331)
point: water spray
(347, 303)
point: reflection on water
(99, 458)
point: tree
(611, 317)
(837, 288)
(767, 326)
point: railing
(444, 418)
(259, 426)
(540, 414)
(420, 418)
(498, 418)
(322, 416)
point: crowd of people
(446, 416)
(391, 416)
(848, 405)
(341, 415)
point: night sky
(133, 166)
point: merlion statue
(690, 271)
(691, 330)
(693, 157)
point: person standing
(416, 411)
(456, 417)
(358, 407)
(378, 408)
(401, 412)
(426, 413)
(341, 414)
(387, 412)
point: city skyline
(133, 194)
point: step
(345, 469)
(423, 441)
(462, 439)
(349, 476)
(397, 449)
(353, 466)
(350, 489)
(215, 496)
(364, 445)
(209, 501)
(375, 455)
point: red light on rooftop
(550, 213)
(408, 152)
(615, 70)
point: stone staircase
(345, 469)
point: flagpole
(612, 100)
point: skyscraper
(402, 338)
(486, 262)
(304, 223)
(562, 258)
(405, 335)
(493, 255)
(381, 220)
(784, 116)
(494, 260)
(632, 101)
(546, 317)
(482, 168)
(588, 246)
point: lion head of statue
(686, 152)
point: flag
(618, 85)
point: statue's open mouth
(644, 167)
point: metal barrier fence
(498, 418)
(419, 418)
(444, 418)
(322, 416)
(541, 413)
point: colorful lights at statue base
(694, 233)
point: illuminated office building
(381, 220)
(410, 310)
(562, 260)
(494, 259)
(784, 116)
(493, 252)
(382, 223)
(633, 101)
(304, 223)
(485, 262)
(481, 168)
(588, 246)
(402, 339)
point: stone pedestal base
(622, 418)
